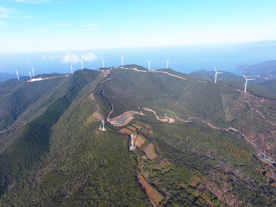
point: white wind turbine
(81, 62)
(216, 75)
(71, 68)
(168, 64)
(17, 74)
(246, 80)
(104, 129)
(103, 62)
(122, 59)
(149, 61)
(33, 71)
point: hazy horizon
(182, 58)
(50, 35)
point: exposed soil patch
(123, 119)
(138, 140)
(97, 113)
(150, 152)
(154, 196)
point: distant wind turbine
(122, 59)
(17, 74)
(216, 74)
(246, 80)
(30, 75)
(149, 61)
(167, 64)
(81, 62)
(33, 71)
(71, 68)
(103, 62)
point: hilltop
(265, 70)
(194, 140)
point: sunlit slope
(167, 95)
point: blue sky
(67, 25)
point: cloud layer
(74, 58)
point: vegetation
(206, 157)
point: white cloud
(70, 58)
(73, 58)
(4, 12)
(89, 57)
(34, 1)
(2, 23)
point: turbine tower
(216, 74)
(149, 61)
(71, 68)
(246, 80)
(30, 75)
(17, 74)
(167, 64)
(132, 146)
(81, 62)
(33, 71)
(104, 129)
(103, 62)
(122, 59)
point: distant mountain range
(264, 70)
(6, 76)
(196, 142)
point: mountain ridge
(193, 143)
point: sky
(68, 25)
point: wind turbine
(71, 68)
(122, 59)
(103, 62)
(167, 64)
(104, 129)
(33, 71)
(81, 62)
(149, 61)
(30, 75)
(17, 74)
(216, 75)
(246, 80)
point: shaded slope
(34, 140)
(17, 96)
